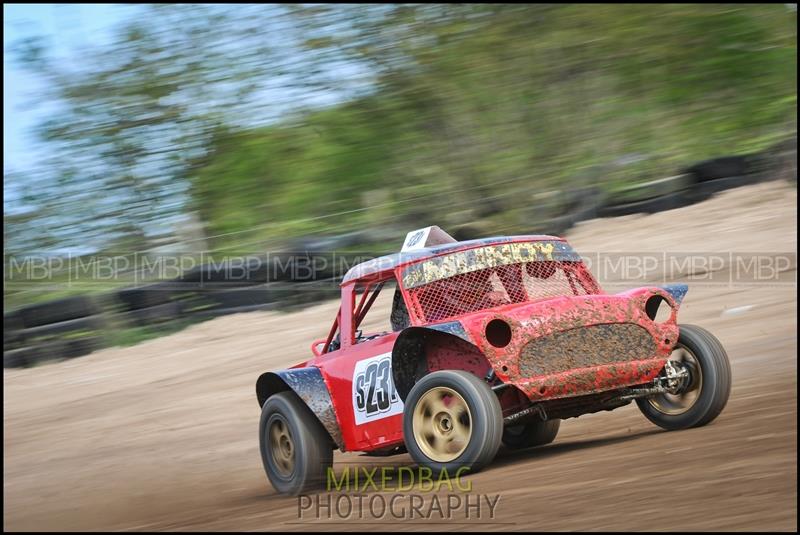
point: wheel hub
(685, 381)
(282, 447)
(442, 424)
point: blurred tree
(491, 102)
(473, 108)
(138, 116)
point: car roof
(382, 266)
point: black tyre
(247, 296)
(89, 323)
(530, 434)
(452, 420)
(18, 358)
(706, 390)
(146, 296)
(295, 448)
(56, 311)
(704, 190)
(12, 330)
(647, 206)
(154, 314)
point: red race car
(493, 340)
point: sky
(67, 27)
(69, 32)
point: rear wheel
(295, 449)
(704, 391)
(530, 434)
(452, 420)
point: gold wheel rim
(442, 424)
(282, 447)
(675, 404)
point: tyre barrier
(716, 168)
(12, 330)
(273, 296)
(253, 270)
(50, 351)
(579, 205)
(306, 294)
(256, 269)
(651, 189)
(647, 206)
(56, 341)
(699, 182)
(704, 190)
(213, 313)
(83, 346)
(648, 197)
(466, 232)
(779, 161)
(324, 244)
(54, 330)
(145, 296)
(90, 323)
(70, 327)
(58, 310)
(17, 358)
(240, 297)
(155, 314)
(591, 201)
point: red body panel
(337, 369)
(585, 322)
(529, 321)
(536, 320)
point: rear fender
(309, 385)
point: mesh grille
(497, 286)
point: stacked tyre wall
(75, 326)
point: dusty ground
(163, 435)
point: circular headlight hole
(657, 309)
(498, 333)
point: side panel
(369, 411)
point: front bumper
(574, 346)
(587, 360)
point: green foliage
(478, 108)
(280, 174)
(445, 114)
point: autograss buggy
(492, 340)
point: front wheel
(703, 393)
(452, 420)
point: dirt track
(164, 435)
